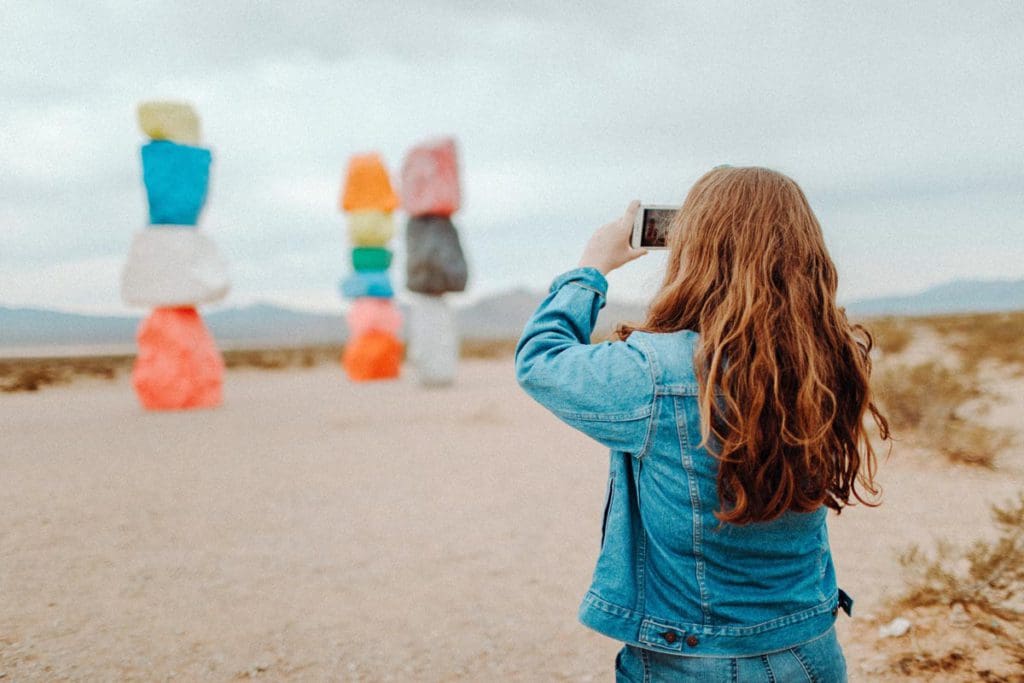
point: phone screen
(656, 223)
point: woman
(735, 415)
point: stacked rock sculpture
(173, 267)
(435, 264)
(373, 350)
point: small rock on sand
(895, 628)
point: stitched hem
(775, 635)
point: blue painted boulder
(375, 283)
(176, 177)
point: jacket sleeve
(605, 390)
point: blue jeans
(817, 661)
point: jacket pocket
(607, 507)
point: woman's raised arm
(604, 390)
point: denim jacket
(670, 577)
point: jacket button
(669, 637)
(692, 641)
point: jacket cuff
(588, 278)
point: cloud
(892, 117)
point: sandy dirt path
(315, 530)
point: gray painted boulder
(434, 261)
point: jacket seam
(580, 276)
(631, 416)
(641, 552)
(695, 503)
(607, 508)
(581, 285)
(708, 630)
(683, 390)
(822, 560)
(651, 366)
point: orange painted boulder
(367, 186)
(372, 314)
(373, 355)
(178, 365)
(430, 179)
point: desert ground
(312, 529)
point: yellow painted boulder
(169, 120)
(370, 228)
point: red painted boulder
(179, 365)
(430, 180)
(374, 355)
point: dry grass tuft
(926, 400)
(891, 334)
(919, 395)
(487, 348)
(281, 358)
(983, 336)
(32, 374)
(985, 582)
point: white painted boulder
(173, 266)
(433, 340)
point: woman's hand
(609, 247)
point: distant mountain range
(959, 296)
(497, 317)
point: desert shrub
(487, 348)
(891, 335)
(986, 580)
(926, 401)
(971, 443)
(981, 336)
(32, 374)
(280, 358)
(263, 360)
(33, 378)
(921, 394)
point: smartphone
(650, 229)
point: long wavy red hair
(783, 375)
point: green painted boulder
(371, 258)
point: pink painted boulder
(368, 314)
(430, 179)
(178, 365)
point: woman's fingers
(630, 216)
(609, 246)
(628, 219)
(635, 254)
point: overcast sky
(904, 123)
